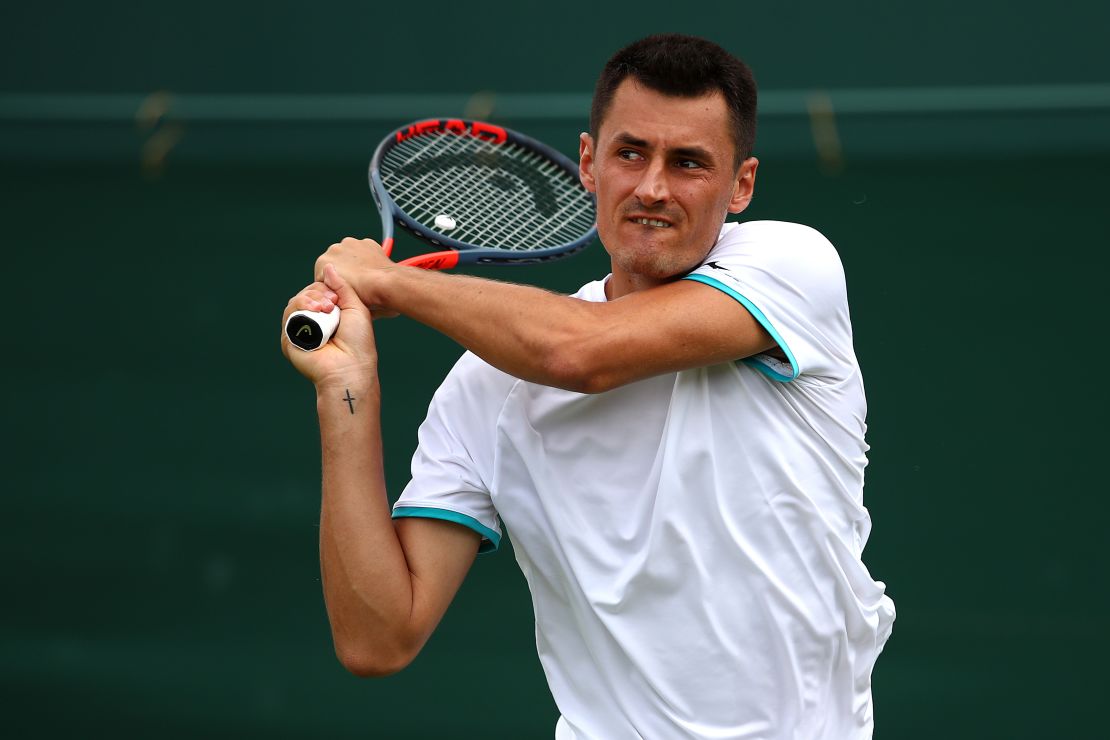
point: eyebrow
(691, 152)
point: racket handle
(310, 330)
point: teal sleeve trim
(490, 539)
(763, 320)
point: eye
(689, 164)
(630, 155)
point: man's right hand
(351, 352)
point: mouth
(655, 222)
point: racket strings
(472, 197)
(501, 196)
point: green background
(159, 515)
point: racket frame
(458, 252)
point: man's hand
(362, 262)
(351, 351)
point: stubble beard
(653, 263)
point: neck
(620, 284)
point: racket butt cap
(311, 330)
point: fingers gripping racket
(484, 193)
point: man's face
(664, 172)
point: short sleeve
(451, 465)
(789, 277)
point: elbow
(573, 368)
(370, 668)
(373, 661)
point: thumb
(348, 298)
(354, 335)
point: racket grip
(311, 330)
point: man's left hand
(360, 262)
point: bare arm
(573, 344)
(386, 585)
(555, 340)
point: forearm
(527, 332)
(367, 585)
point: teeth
(652, 222)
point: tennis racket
(482, 193)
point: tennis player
(678, 449)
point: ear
(745, 186)
(586, 162)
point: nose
(652, 188)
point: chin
(659, 257)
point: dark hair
(687, 67)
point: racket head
(512, 199)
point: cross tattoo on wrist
(350, 401)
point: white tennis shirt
(692, 541)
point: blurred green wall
(159, 529)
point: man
(678, 449)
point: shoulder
(794, 257)
(778, 241)
(790, 278)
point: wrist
(365, 384)
(372, 285)
(380, 291)
(347, 400)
